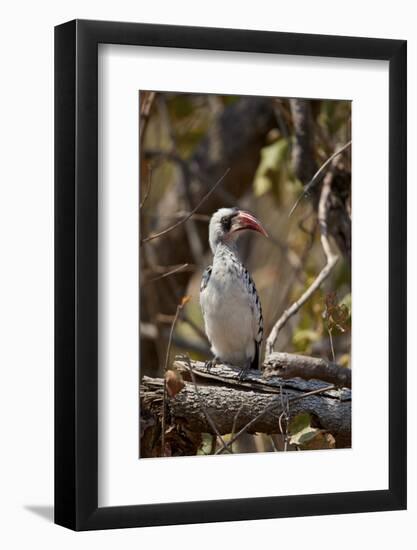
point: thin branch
(331, 260)
(285, 414)
(316, 176)
(145, 111)
(232, 433)
(188, 216)
(276, 402)
(197, 217)
(148, 187)
(194, 240)
(200, 333)
(176, 269)
(331, 344)
(203, 408)
(172, 155)
(161, 269)
(164, 318)
(177, 314)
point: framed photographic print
(230, 236)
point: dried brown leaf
(185, 300)
(174, 382)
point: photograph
(245, 274)
(208, 275)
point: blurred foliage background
(273, 147)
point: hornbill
(230, 304)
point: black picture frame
(76, 272)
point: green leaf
(272, 167)
(301, 430)
(299, 423)
(262, 185)
(347, 301)
(304, 436)
(205, 446)
(308, 438)
(303, 337)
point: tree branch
(317, 175)
(278, 367)
(224, 404)
(188, 216)
(175, 269)
(331, 260)
(270, 408)
(234, 409)
(288, 365)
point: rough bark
(223, 404)
(302, 372)
(231, 403)
(289, 365)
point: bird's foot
(212, 363)
(243, 372)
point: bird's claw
(211, 363)
(242, 374)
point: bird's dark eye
(226, 223)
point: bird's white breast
(228, 314)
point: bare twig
(194, 240)
(298, 269)
(145, 110)
(188, 216)
(203, 408)
(200, 333)
(148, 187)
(317, 175)
(197, 217)
(284, 415)
(276, 402)
(331, 260)
(331, 344)
(176, 269)
(232, 433)
(152, 301)
(177, 314)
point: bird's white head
(226, 224)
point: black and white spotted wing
(204, 281)
(257, 312)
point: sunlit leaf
(307, 437)
(299, 423)
(271, 166)
(304, 436)
(205, 446)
